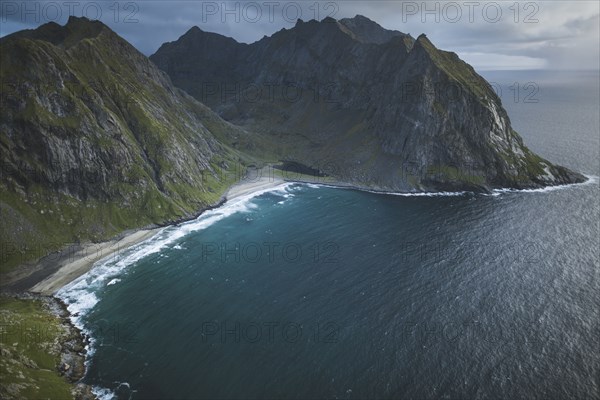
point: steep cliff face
(95, 139)
(369, 106)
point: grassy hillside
(30, 344)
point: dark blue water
(313, 292)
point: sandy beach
(82, 261)
(246, 187)
(50, 274)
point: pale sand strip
(82, 261)
(249, 186)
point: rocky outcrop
(369, 106)
(43, 353)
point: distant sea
(310, 292)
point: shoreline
(69, 344)
(73, 349)
(85, 259)
(246, 188)
(49, 274)
(590, 179)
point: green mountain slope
(95, 140)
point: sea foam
(591, 179)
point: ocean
(307, 291)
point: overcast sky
(489, 35)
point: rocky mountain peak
(75, 30)
(193, 31)
(368, 31)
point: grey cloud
(565, 37)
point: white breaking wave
(403, 194)
(285, 192)
(313, 185)
(424, 194)
(282, 193)
(591, 179)
(103, 393)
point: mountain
(371, 107)
(95, 139)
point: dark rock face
(373, 107)
(367, 31)
(96, 139)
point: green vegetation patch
(30, 348)
(457, 69)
